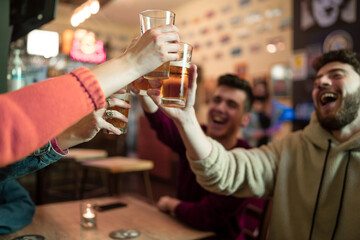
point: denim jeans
(36, 161)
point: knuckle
(151, 32)
(163, 58)
(157, 40)
(162, 50)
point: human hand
(168, 204)
(87, 128)
(152, 84)
(155, 47)
(178, 114)
(146, 102)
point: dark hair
(344, 56)
(234, 81)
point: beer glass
(174, 89)
(150, 19)
(122, 126)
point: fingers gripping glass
(121, 125)
(150, 19)
(174, 89)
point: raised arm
(33, 115)
(80, 132)
(196, 143)
(241, 172)
(145, 54)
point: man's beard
(347, 113)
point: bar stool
(114, 166)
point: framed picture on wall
(241, 69)
(280, 76)
(299, 65)
(316, 20)
(259, 79)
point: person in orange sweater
(35, 114)
(83, 131)
(15, 201)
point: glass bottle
(16, 76)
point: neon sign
(86, 49)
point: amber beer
(122, 126)
(143, 86)
(150, 19)
(174, 89)
(161, 72)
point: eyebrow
(230, 101)
(226, 100)
(331, 71)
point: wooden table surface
(61, 221)
(81, 154)
(120, 164)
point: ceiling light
(94, 7)
(271, 48)
(84, 12)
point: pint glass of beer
(122, 126)
(150, 19)
(174, 89)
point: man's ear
(245, 119)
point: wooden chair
(148, 146)
(81, 155)
(114, 167)
(69, 164)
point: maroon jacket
(201, 209)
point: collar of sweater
(319, 136)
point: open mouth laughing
(327, 98)
(218, 120)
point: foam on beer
(182, 63)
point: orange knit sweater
(33, 115)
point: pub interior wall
(258, 62)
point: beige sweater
(291, 170)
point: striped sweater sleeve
(33, 115)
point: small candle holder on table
(87, 215)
